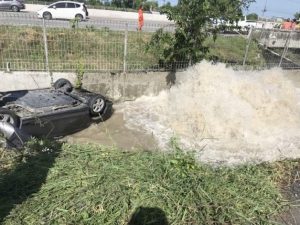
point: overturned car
(50, 112)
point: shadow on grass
(27, 177)
(148, 216)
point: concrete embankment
(117, 86)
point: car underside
(50, 112)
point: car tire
(63, 84)
(9, 116)
(97, 105)
(47, 15)
(79, 17)
(15, 8)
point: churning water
(227, 116)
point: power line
(265, 8)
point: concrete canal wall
(118, 86)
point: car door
(58, 10)
(1, 4)
(6, 4)
(70, 10)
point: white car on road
(64, 10)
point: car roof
(68, 2)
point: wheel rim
(15, 8)
(6, 118)
(98, 105)
(47, 16)
(79, 17)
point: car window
(8, 0)
(70, 5)
(77, 5)
(60, 5)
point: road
(31, 19)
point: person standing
(287, 25)
(141, 18)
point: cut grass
(100, 49)
(53, 183)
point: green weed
(92, 184)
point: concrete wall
(278, 38)
(119, 87)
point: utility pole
(265, 8)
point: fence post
(46, 51)
(248, 45)
(286, 47)
(125, 49)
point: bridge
(277, 38)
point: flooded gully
(225, 116)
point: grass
(55, 183)
(232, 50)
(95, 49)
(99, 49)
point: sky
(275, 8)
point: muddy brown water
(113, 132)
(150, 121)
(238, 116)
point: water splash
(225, 115)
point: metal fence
(277, 48)
(32, 44)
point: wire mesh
(98, 44)
(278, 48)
(93, 45)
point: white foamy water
(225, 115)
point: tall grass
(92, 184)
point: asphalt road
(31, 19)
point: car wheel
(9, 116)
(97, 105)
(47, 16)
(63, 84)
(79, 17)
(15, 8)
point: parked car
(13, 5)
(50, 112)
(64, 10)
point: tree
(193, 19)
(252, 16)
(150, 5)
(117, 3)
(297, 15)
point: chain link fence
(28, 43)
(33, 44)
(277, 48)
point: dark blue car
(50, 112)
